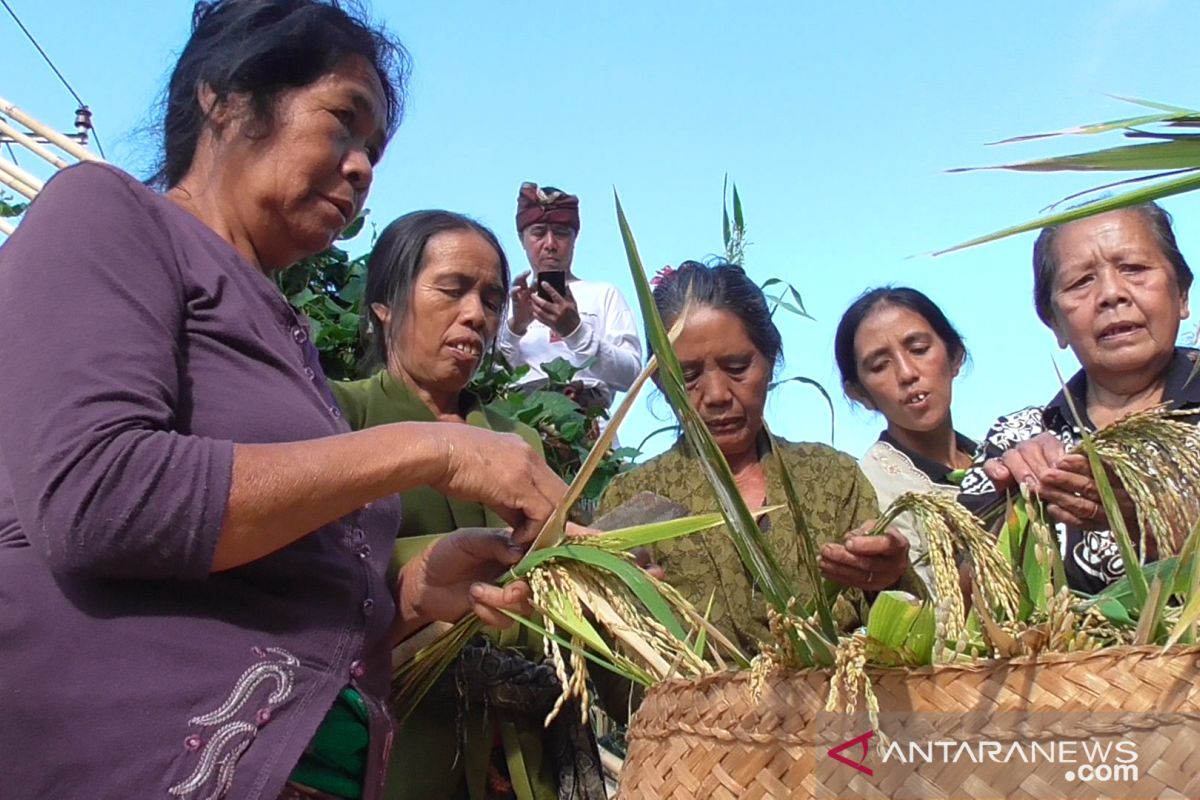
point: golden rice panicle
(950, 528)
(850, 679)
(1157, 459)
(761, 667)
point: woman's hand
(1025, 463)
(1071, 496)
(861, 561)
(521, 307)
(1062, 480)
(453, 576)
(499, 470)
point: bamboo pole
(66, 144)
(6, 228)
(20, 138)
(16, 184)
(13, 171)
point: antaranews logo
(862, 740)
(1081, 760)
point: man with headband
(589, 323)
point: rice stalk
(1157, 459)
(572, 594)
(950, 528)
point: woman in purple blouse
(193, 546)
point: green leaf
(560, 370)
(1137, 101)
(352, 292)
(301, 298)
(1185, 585)
(1187, 618)
(895, 621)
(1121, 591)
(553, 404)
(560, 608)
(1115, 611)
(354, 228)
(739, 219)
(1171, 155)
(624, 539)
(1123, 200)
(1105, 127)
(315, 329)
(808, 543)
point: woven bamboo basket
(710, 739)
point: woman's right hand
(1062, 480)
(1025, 463)
(499, 470)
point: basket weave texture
(710, 739)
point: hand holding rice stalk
(1023, 606)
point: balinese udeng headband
(553, 207)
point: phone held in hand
(555, 278)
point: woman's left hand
(454, 575)
(1069, 491)
(861, 561)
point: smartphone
(556, 278)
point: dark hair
(904, 297)
(725, 287)
(1045, 267)
(261, 48)
(398, 258)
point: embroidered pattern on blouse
(1007, 432)
(219, 758)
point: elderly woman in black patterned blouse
(1114, 288)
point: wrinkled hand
(501, 471)
(559, 313)
(870, 563)
(1025, 463)
(453, 576)
(521, 307)
(1062, 480)
(1071, 496)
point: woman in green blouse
(436, 288)
(729, 350)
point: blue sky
(837, 121)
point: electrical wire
(50, 63)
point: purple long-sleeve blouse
(137, 347)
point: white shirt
(606, 337)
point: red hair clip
(662, 275)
